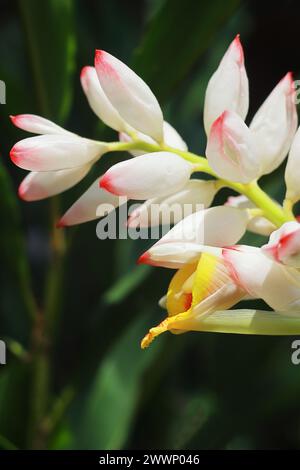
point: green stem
(272, 210)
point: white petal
(172, 138)
(275, 124)
(98, 100)
(195, 195)
(157, 173)
(129, 95)
(174, 255)
(228, 86)
(257, 224)
(216, 226)
(202, 232)
(231, 151)
(261, 277)
(55, 152)
(284, 245)
(93, 204)
(42, 184)
(37, 125)
(292, 171)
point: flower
(184, 242)
(160, 173)
(152, 211)
(199, 293)
(213, 271)
(228, 87)
(130, 95)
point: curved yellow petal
(178, 300)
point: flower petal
(292, 171)
(93, 204)
(263, 278)
(212, 289)
(157, 173)
(98, 100)
(231, 150)
(176, 254)
(203, 231)
(284, 245)
(129, 95)
(228, 86)
(196, 195)
(216, 226)
(274, 125)
(41, 185)
(55, 152)
(37, 125)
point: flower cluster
(213, 273)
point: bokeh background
(72, 308)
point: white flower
(274, 125)
(228, 87)
(129, 95)
(157, 173)
(216, 227)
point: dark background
(75, 376)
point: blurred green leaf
(178, 34)
(50, 28)
(14, 381)
(105, 413)
(16, 298)
(126, 284)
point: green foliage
(50, 36)
(178, 34)
(73, 309)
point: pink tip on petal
(60, 223)
(14, 156)
(99, 56)
(289, 80)
(85, 70)
(236, 43)
(145, 258)
(22, 189)
(105, 182)
(13, 119)
(104, 65)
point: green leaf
(14, 381)
(105, 413)
(16, 296)
(126, 284)
(49, 27)
(178, 34)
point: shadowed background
(76, 376)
